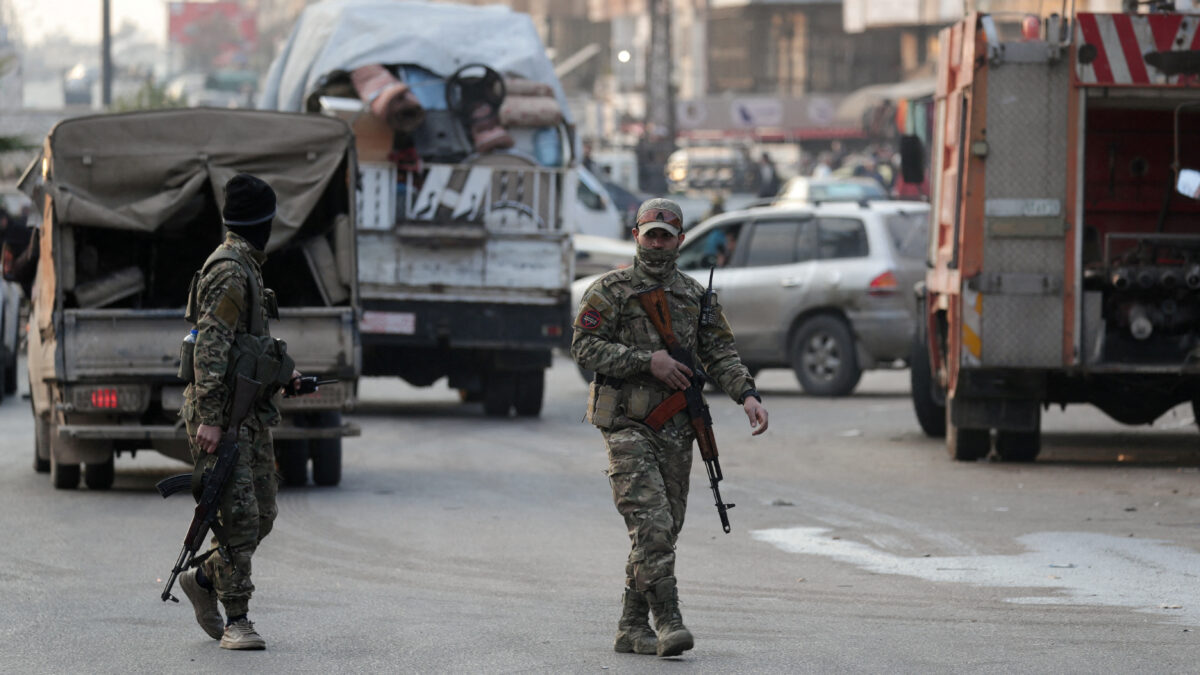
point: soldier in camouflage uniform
(648, 471)
(247, 508)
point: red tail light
(884, 284)
(104, 398)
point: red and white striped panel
(1121, 40)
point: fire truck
(1063, 265)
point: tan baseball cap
(661, 214)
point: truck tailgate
(321, 340)
(128, 343)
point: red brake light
(104, 398)
(884, 284)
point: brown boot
(673, 637)
(633, 629)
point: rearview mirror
(1188, 183)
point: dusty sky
(80, 19)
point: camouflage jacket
(224, 311)
(614, 337)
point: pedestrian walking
(226, 303)
(648, 470)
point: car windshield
(844, 192)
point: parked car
(596, 255)
(820, 190)
(824, 290)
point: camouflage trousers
(247, 513)
(649, 473)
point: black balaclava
(249, 209)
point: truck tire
(823, 357)
(931, 414)
(41, 444)
(99, 476)
(966, 445)
(531, 389)
(498, 394)
(1019, 446)
(291, 458)
(326, 452)
(64, 476)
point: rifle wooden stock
(654, 301)
(208, 503)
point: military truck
(470, 187)
(132, 207)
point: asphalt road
(458, 543)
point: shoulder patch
(227, 311)
(590, 319)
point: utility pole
(658, 134)
(105, 55)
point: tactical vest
(254, 353)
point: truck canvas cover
(346, 34)
(108, 171)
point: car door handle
(790, 282)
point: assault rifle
(654, 301)
(212, 483)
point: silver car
(824, 289)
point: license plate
(392, 323)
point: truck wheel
(326, 452)
(823, 357)
(99, 476)
(498, 394)
(931, 414)
(966, 445)
(64, 476)
(41, 444)
(531, 388)
(1019, 446)
(291, 457)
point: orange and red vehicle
(1063, 268)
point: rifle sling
(664, 411)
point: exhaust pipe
(1140, 326)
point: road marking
(1148, 575)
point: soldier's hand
(757, 415)
(208, 437)
(294, 383)
(673, 373)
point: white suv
(823, 289)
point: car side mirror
(912, 160)
(1188, 183)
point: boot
(633, 630)
(673, 637)
(241, 635)
(204, 602)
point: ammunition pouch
(261, 358)
(603, 401)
